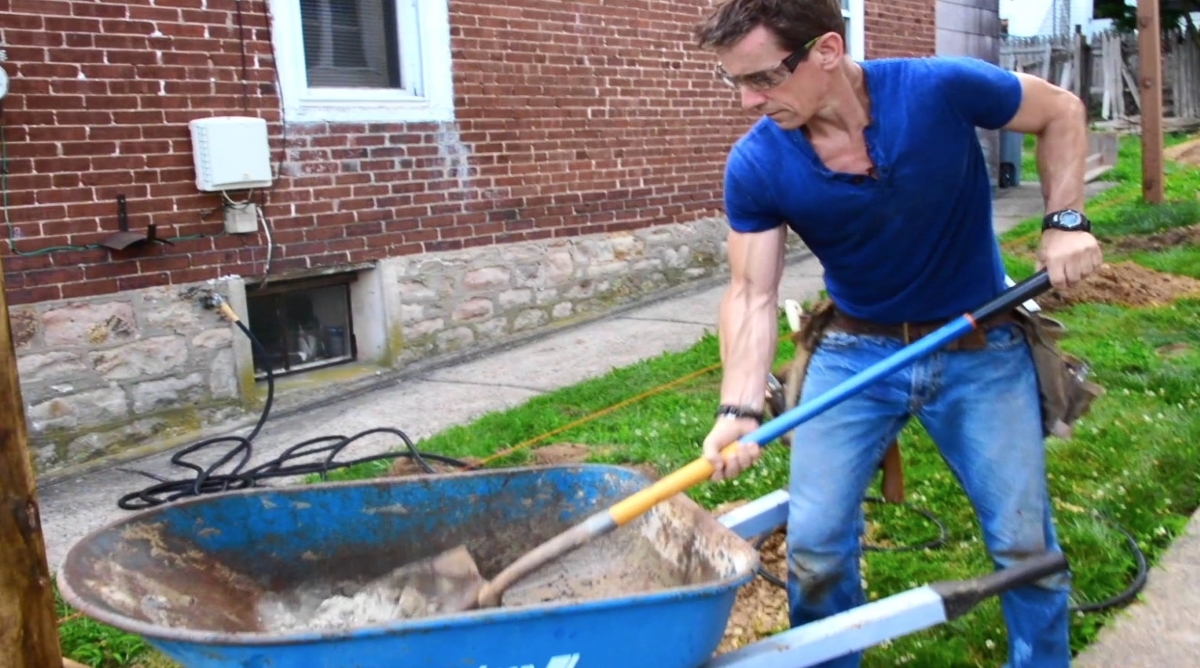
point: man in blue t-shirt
(877, 167)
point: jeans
(981, 408)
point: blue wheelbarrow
(216, 581)
(204, 579)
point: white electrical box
(231, 153)
(241, 218)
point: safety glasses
(769, 78)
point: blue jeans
(981, 408)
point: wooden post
(1150, 81)
(28, 627)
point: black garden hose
(318, 455)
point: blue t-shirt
(917, 242)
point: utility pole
(28, 627)
(1150, 79)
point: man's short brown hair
(793, 22)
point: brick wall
(899, 28)
(571, 119)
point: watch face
(1069, 219)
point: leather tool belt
(909, 332)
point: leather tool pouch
(783, 392)
(1065, 393)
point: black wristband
(729, 410)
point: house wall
(581, 169)
(900, 28)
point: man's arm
(748, 331)
(1059, 121)
(747, 326)
(991, 97)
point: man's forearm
(1062, 149)
(747, 331)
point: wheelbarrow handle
(701, 469)
(886, 619)
(960, 596)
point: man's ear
(830, 50)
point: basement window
(302, 325)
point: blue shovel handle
(1018, 294)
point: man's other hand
(1068, 257)
(724, 432)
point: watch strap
(732, 411)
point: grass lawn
(1134, 462)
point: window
(363, 60)
(350, 43)
(302, 325)
(852, 11)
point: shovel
(488, 593)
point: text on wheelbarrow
(561, 661)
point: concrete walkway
(435, 399)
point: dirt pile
(1124, 284)
(403, 467)
(1187, 153)
(557, 454)
(547, 455)
(561, 453)
(1176, 236)
(761, 608)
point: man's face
(756, 66)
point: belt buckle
(907, 335)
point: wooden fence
(1103, 71)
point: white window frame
(424, 36)
(856, 42)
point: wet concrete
(448, 582)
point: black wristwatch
(1067, 219)
(727, 410)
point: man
(877, 167)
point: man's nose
(752, 98)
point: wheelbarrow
(226, 580)
(211, 581)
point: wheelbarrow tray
(197, 578)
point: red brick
(32, 295)
(89, 288)
(572, 118)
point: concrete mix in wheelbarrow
(621, 563)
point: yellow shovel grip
(229, 312)
(681, 480)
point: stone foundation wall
(103, 374)
(466, 299)
(107, 374)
